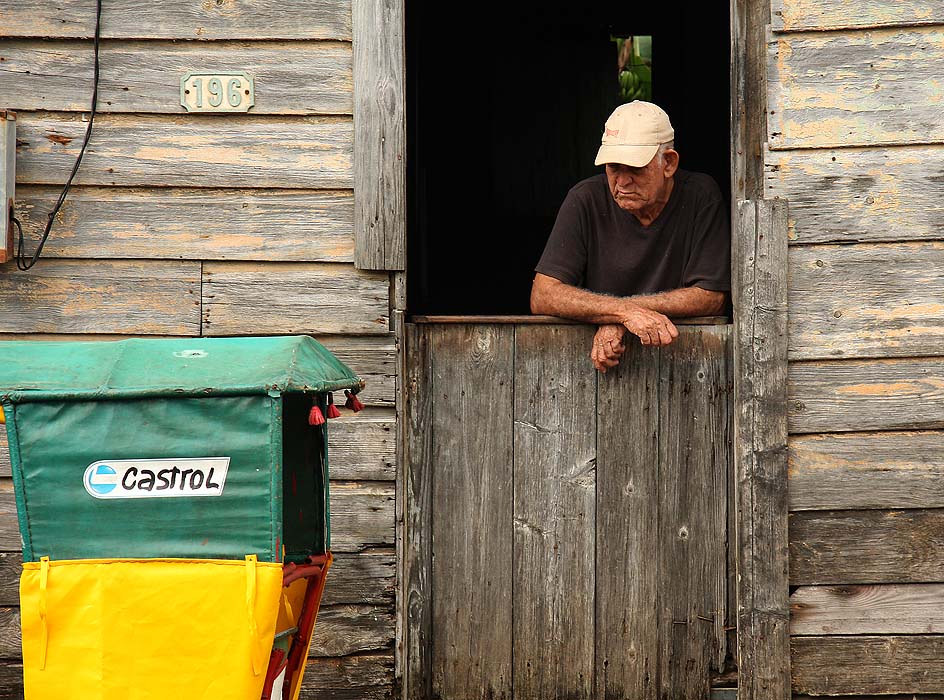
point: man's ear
(671, 160)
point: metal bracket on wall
(7, 181)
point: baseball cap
(633, 134)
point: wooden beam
(829, 89)
(181, 19)
(555, 450)
(799, 15)
(851, 195)
(182, 151)
(194, 224)
(916, 608)
(867, 470)
(860, 395)
(259, 298)
(749, 19)
(359, 677)
(297, 77)
(379, 135)
(760, 417)
(844, 303)
(866, 546)
(352, 629)
(547, 320)
(147, 297)
(868, 665)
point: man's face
(639, 189)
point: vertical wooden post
(379, 135)
(760, 415)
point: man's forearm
(687, 301)
(554, 298)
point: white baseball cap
(633, 134)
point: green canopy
(40, 371)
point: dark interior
(303, 479)
(505, 110)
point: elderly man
(640, 243)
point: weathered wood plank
(916, 608)
(867, 471)
(181, 19)
(361, 515)
(695, 460)
(416, 587)
(10, 637)
(860, 194)
(867, 546)
(6, 469)
(102, 296)
(855, 88)
(844, 302)
(628, 569)
(193, 150)
(797, 15)
(887, 664)
(860, 395)
(360, 446)
(351, 629)
(289, 77)
(554, 512)
(255, 298)
(195, 224)
(361, 677)
(364, 578)
(472, 500)
(379, 135)
(760, 438)
(749, 21)
(11, 564)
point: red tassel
(315, 417)
(353, 403)
(333, 411)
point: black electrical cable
(21, 262)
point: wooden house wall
(209, 224)
(855, 143)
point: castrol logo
(156, 478)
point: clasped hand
(651, 327)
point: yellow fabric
(154, 629)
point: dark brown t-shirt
(600, 247)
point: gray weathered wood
(857, 395)
(472, 445)
(554, 512)
(289, 77)
(361, 515)
(360, 677)
(6, 468)
(379, 135)
(194, 150)
(196, 224)
(629, 580)
(860, 194)
(855, 88)
(102, 296)
(416, 589)
(872, 664)
(749, 19)
(797, 15)
(10, 637)
(181, 19)
(866, 546)
(760, 439)
(695, 459)
(351, 629)
(360, 445)
(916, 608)
(255, 298)
(867, 470)
(844, 302)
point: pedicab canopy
(149, 448)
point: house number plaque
(217, 92)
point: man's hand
(652, 327)
(608, 346)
